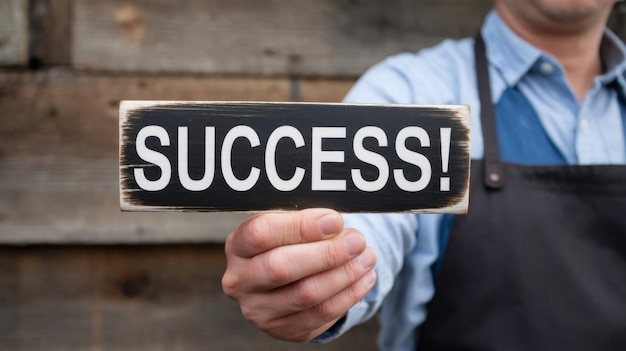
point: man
(539, 263)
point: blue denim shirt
(407, 246)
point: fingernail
(354, 243)
(329, 224)
(367, 259)
(370, 278)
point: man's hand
(295, 274)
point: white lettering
(154, 157)
(227, 170)
(413, 158)
(270, 158)
(370, 157)
(183, 159)
(319, 156)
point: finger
(312, 290)
(267, 231)
(287, 264)
(305, 325)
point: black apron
(539, 263)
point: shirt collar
(510, 54)
(513, 57)
(613, 52)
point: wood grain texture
(61, 298)
(50, 32)
(13, 32)
(298, 37)
(59, 155)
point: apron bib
(539, 263)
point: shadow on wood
(130, 298)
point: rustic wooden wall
(13, 32)
(129, 298)
(329, 37)
(75, 272)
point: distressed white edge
(462, 111)
(458, 208)
(127, 105)
(123, 118)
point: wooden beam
(298, 37)
(130, 298)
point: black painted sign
(246, 156)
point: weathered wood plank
(13, 32)
(78, 113)
(320, 90)
(179, 156)
(130, 298)
(49, 199)
(50, 32)
(329, 37)
(59, 154)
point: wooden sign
(246, 156)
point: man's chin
(570, 11)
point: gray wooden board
(140, 298)
(74, 200)
(190, 156)
(13, 32)
(324, 37)
(59, 154)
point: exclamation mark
(444, 185)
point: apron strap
(494, 175)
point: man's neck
(579, 56)
(577, 49)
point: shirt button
(583, 126)
(546, 68)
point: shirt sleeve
(391, 236)
(388, 82)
